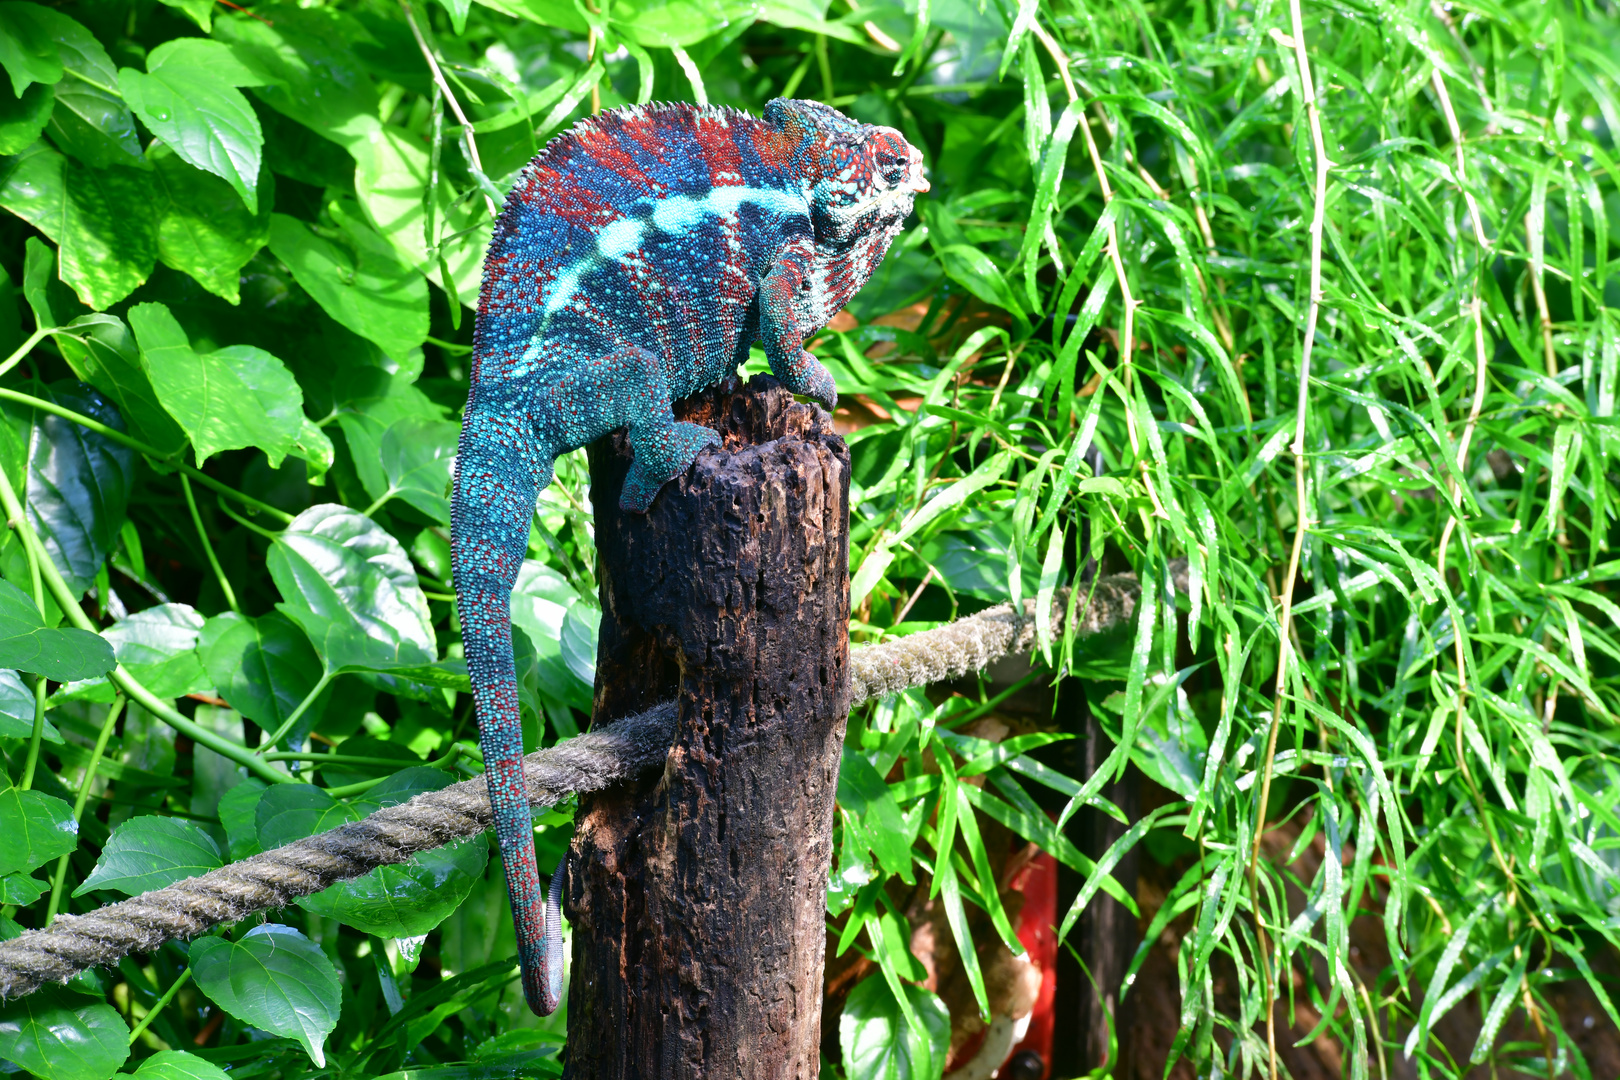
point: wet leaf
(227, 399)
(57, 1035)
(275, 979)
(350, 585)
(27, 644)
(391, 901)
(34, 829)
(152, 852)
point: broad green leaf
(231, 398)
(78, 482)
(34, 829)
(200, 12)
(188, 98)
(100, 219)
(23, 118)
(367, 420)
(391, 901)
(863, 793)
(390, 180)
(578, 642)
(350, 585)
(202, 228)
(177, 1064)
(26, 50)
(879, 1044)
(307, 59)
(541, 602)
(57, 1035)
(416, 457)
(275, 979)
(20, 889)
(17, 710)
(90, 121)
(27, 644)
(152, 852)
(158, 646)
(263, 666)
(360, 282)
(104, 354)
(238, 814)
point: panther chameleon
(637, 259)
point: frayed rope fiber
(618, 751)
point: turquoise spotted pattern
(636, 261)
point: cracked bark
(697, 898)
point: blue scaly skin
(637, 259)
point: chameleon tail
(500, 469)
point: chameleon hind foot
(661, 453)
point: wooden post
(698, 898)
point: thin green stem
(380, 503)
(244, 522)
(208, 547)
(231, 493)
(8, 394)
(157, 1006)
(83, 797)
(287, 724)
(120, 678)
(23, 350)
(35, 737)
(38, 734)
(363, 786)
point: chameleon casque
(637, 259)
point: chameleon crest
(637, 260)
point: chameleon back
(649, 226)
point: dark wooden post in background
(698, 898)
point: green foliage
(1371, 404)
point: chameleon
(635, 261)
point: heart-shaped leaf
(27, 644)
(103, 353)
(100, 219)
(23, 118)
(350, 585)
(78, 483)
(578, 642)
(391, 901)
(20, 889)
(877, 1040)
(416, 455)
(26, 50)
(91, 121)
(151, 852)
(275, 979)
(188, 98)
(202, 227)
(264, 667)
(34, 829)
(228, 399)
(57, 1036)
(239, 815)
(179, 1065)
(158, 647)
(359, 280)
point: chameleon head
(862, 179)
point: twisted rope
(618, 751)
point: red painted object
(1037, 932)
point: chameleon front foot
(661, 454)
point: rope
(618, 751)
